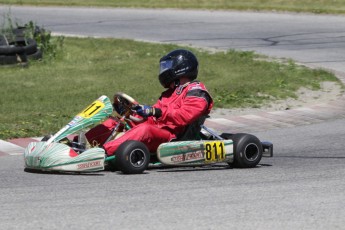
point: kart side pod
(189, 153)
(239, 150)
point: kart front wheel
(132, 157)
(247, 150)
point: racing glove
(147, 111)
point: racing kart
(69, 150)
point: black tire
(3, 40)
(13, 59)
(19, 31)
(21, 45)
(31, 46)
(36, 56)
(11, 50)
(132, 157)
(8, 59)
(247, 150)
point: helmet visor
(165, 65)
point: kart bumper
(267, 149)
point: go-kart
(69, 150)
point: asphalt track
(301, 187)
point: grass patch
(314, 6)
(42, 98)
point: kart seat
(192, 131)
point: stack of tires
(18, 49)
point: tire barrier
(18, 49)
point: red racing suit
(180, 107)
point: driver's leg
(146, 133)
(100, 133)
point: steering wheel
(123, 105)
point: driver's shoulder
(196, 85)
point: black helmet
(177, 64)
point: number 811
(214, 151)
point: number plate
(92, 109)
(214, 151)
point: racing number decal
(92, 109)
(214, 151)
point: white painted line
(10, 148)
(37, 138)
(252, 117)
(277, 113)
(265, 119)
(224, 121)
(305, 110)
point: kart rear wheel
(247, 150)
(132, 157)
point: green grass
(315, 6)
(43, 97)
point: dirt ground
(329, 91)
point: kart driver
(184, 102)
